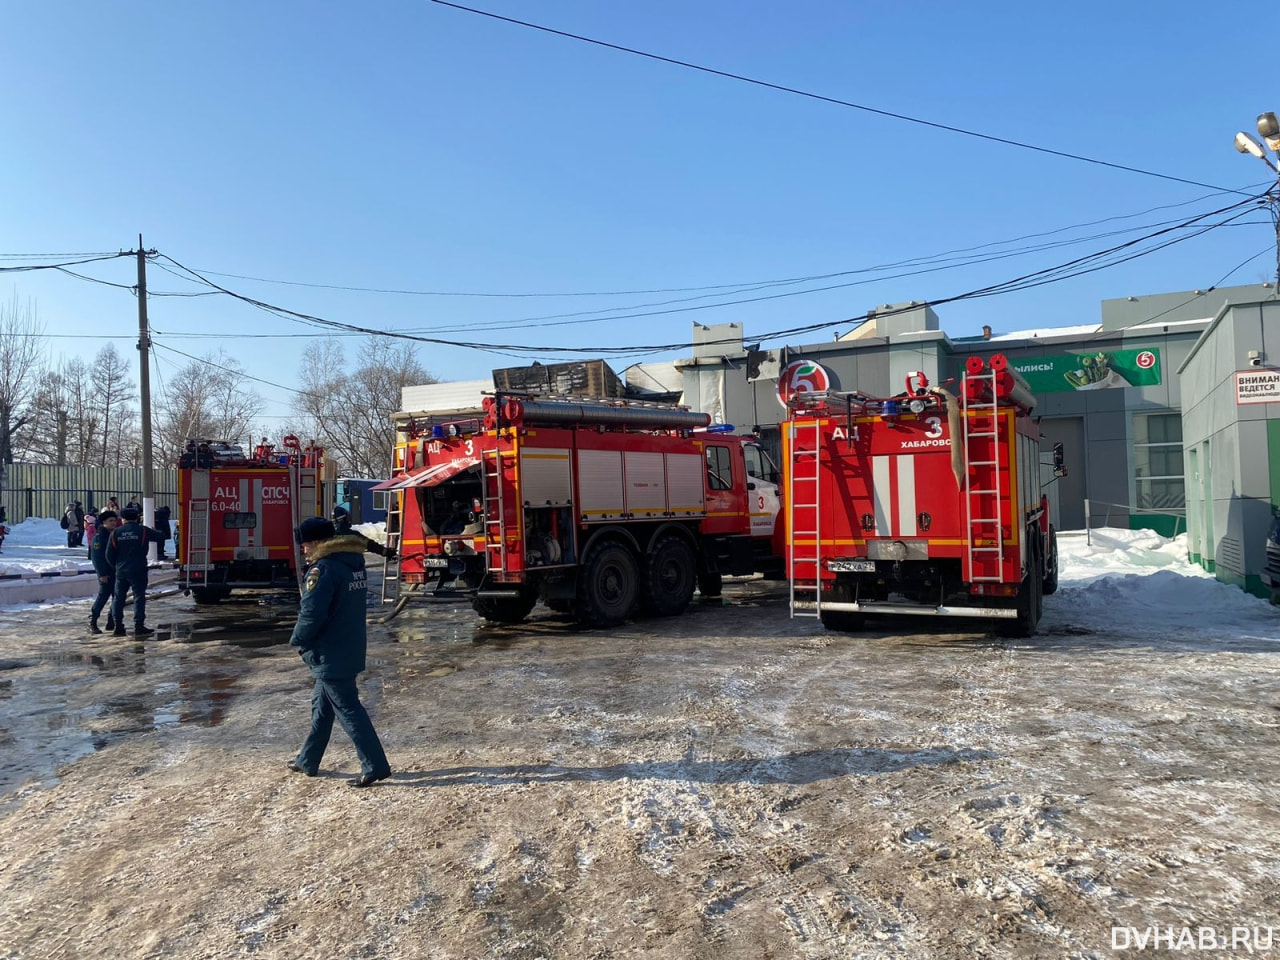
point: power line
(29, 267)
(1104, 334)
(45, 256)
(737, 287)
(823, 98)
(239, 373)
(1112, 256)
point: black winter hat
(129, 514)
(340, 513)
(106, 515)
(313, 529)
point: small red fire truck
(925, 503)
(237, 513)
(601, 508)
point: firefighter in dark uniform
(127, 553)
(330, 634)
(107, 521)
(342, 528)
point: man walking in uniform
(330, 634)
(127, 553)
(106, 572)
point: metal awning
(430, 476)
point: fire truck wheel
(1051, 566)
(1024, 624)
(670, 571)
(710, 585)
(503, 609)
(607, 588)
(843, 622)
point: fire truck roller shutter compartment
(685, 494)
(546, 476)
(600, 485)
(645, 484)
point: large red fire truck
(237, 512)
(601, 508)
(926, 503)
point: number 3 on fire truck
(935, 427)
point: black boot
(94, 628)
(118, 631)
(141, 631)
(111, 622)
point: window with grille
(1157, 462)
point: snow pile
(36, 532)
(39, 545)
(374, 531)
(1138, 583)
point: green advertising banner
(1090, 371)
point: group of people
(119, 553)
(80, 524)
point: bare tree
(112, 394)
(64, 422)
(206, 399)
(21, 358)
(348, 407)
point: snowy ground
(1140, 584)
(730, 784)
(39, 545)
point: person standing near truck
(127, 553)
(106, 572)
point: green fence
(44, 490)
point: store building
(1231, 441)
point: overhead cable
(826, 99)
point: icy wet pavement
(730, 783)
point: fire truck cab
(601, 508)
(925, 503)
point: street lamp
(1269, 130)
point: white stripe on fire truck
(243, 538)
(880, 494)
(906, 490)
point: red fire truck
(237, 513)
(925, 503)
(601, 508)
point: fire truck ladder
(495, 541)
(395, 528)
(983, 493)
(196, 546)
(803, 502)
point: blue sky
(411, 146)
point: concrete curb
(65, 585)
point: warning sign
(1258, 386)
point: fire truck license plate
(435, 562)
(852, 566)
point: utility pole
(144, 389)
